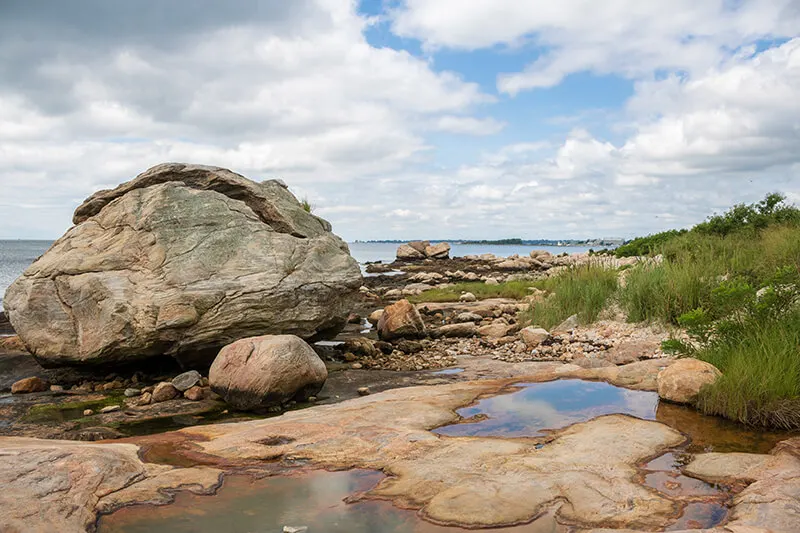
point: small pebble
(110, 409)
(130, 393)
(363, 391)
(88, 412)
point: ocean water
(15, 257)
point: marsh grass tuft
(760, 383)
(582, 290)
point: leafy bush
(741, 218)
(772, 210)
(649, 245)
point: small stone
(28, 385)
(468, 317)
(568, 325)
(145, 399)
(295, 529)
(195, 394)
(130, 393)
(350, 357)
(110, 409)
(88, 412)
(467, 297)
(363, 391)
(312, 399)
(187, 380)
(164, 391)
(56, 388)
(356, 366)
(375, 316)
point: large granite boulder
(181, 261)
(267, 370)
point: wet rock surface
(586, 471)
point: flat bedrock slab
(586, 472)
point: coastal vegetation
(732, 284)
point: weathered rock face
(406, 252)
(438, 251)
(181, 261)
(401, 319)
(681, 381)
(268, 370)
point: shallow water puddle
(448, 371)
(536, 407)
(703, 504)
(315, 500)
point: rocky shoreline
(191, 296)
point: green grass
(760, 383)
(516, 290)
(53, 412)
(582, 291)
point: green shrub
(772, 210)
(650, 245)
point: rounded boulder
(266, 371)
(682, 380)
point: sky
(401, 119)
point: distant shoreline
(509, 242)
